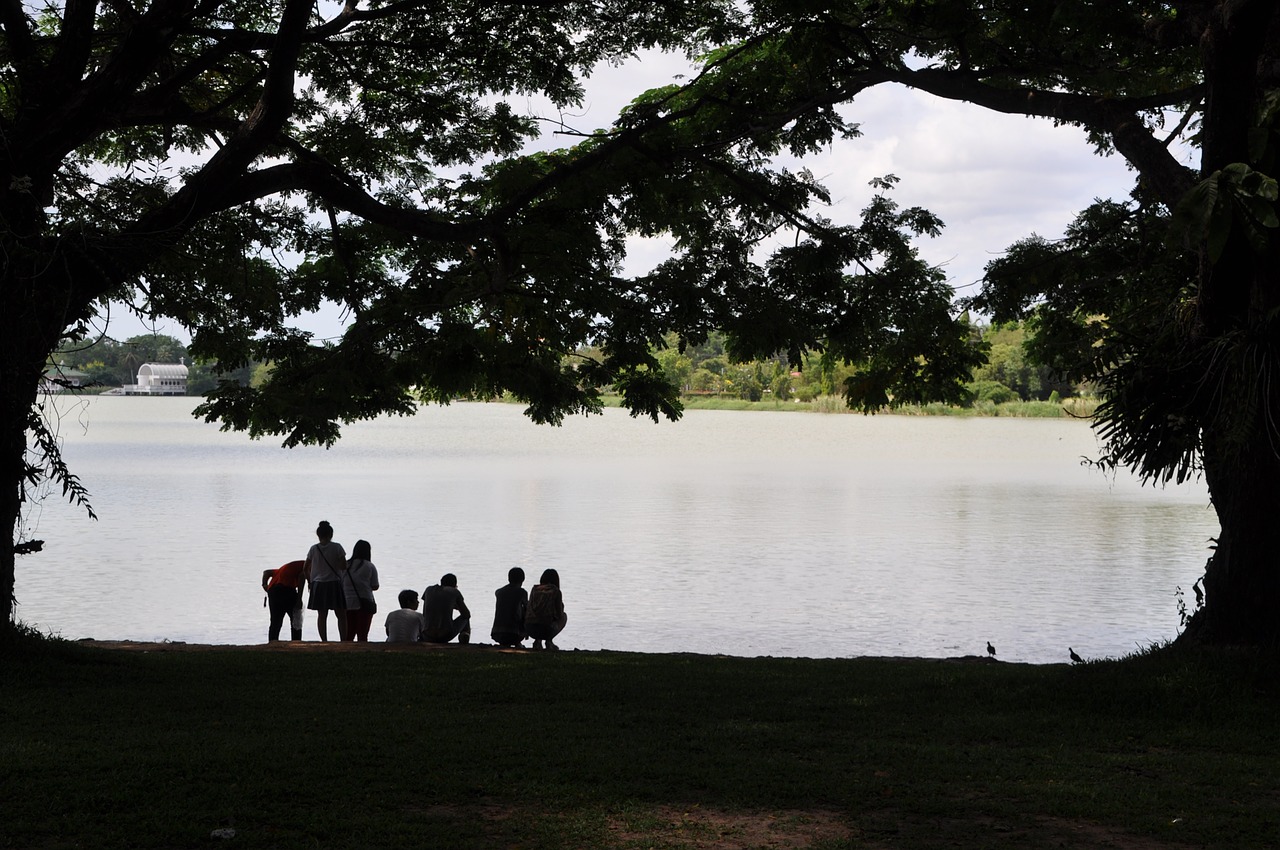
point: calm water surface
(737, 533)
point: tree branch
(329, 185)
(1116, 117)
(205, 192)
(75, 42)
(20, 41)
(68, 122)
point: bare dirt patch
(709, 829)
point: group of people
(346, 587)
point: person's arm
(266, 577)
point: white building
(159, 379)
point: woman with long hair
(361, 582)
(545, 617)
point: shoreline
(383, 646)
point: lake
(740, 533)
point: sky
(993, 179)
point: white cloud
(992, 178)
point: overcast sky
(993, 179)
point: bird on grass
(991, 650)
(1075, 659)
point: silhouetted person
(361, 582)
(326, 564)
(510, 603)
(545, 618)
(284, 597)
(439, 601)
(405, 624)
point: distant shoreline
(1071, 408)
(376, 645)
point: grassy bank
(1080, 408)
(471, 747)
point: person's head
(515, 576)
(550, 577)
(324, 531)
(448, 580)
(408, 599)
(362, 551)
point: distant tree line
(1009, 374)
(112, 363)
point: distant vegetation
(110, 363)
(1009, 384)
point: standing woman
(362, 581)
(545, 617)
(326, 564)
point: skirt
(327, 596)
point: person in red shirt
(284, 596)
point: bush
(993, 392)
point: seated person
(439, 601)
(545, 618)
(405, 624)
(508, 613)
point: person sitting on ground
(439, 601)
(405, 624)
(284, 596)
(508, 613)
(545, 618)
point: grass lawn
(472, 747)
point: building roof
(163, 370)
(64, 372)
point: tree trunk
(1238, 296)
(23, 350)
(1242, 578)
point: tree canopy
(231, 165)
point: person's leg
(277, 615)
(344, 632)
(506, 639)
(322, 623)
(359, 623)
(556, 628)
(295, 617)
(462, 628)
